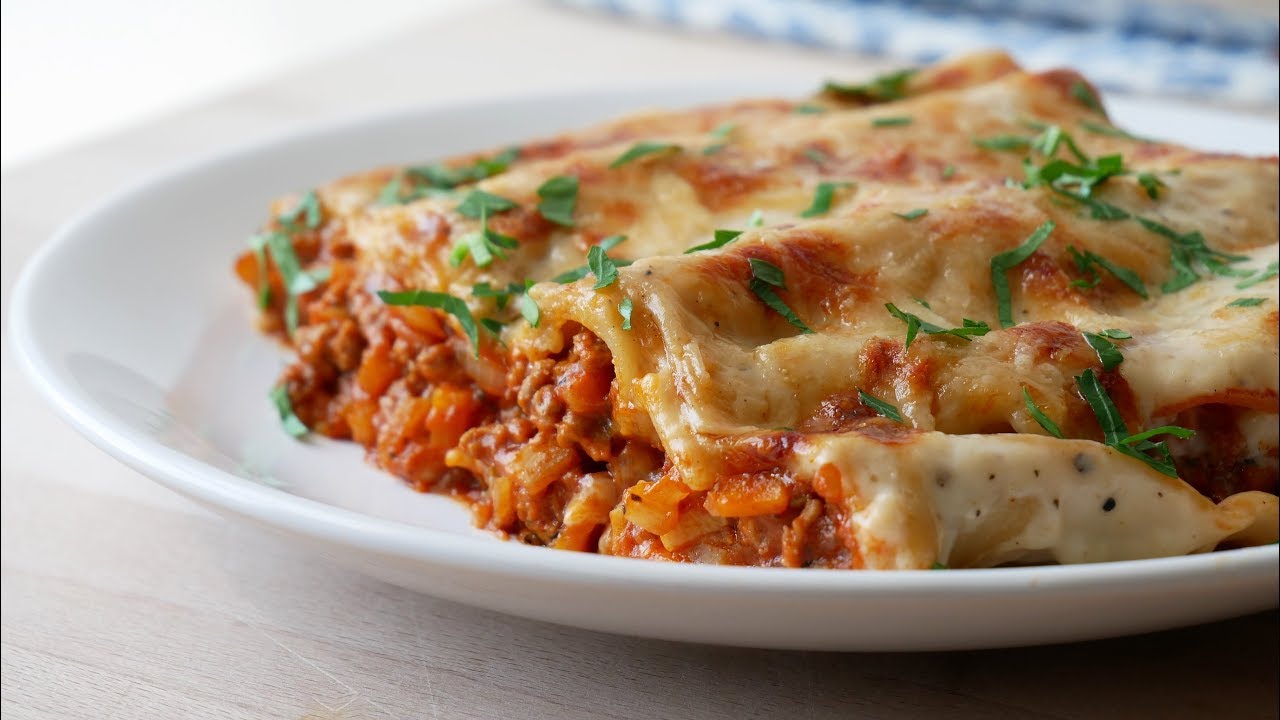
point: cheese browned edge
(714, 431)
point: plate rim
(332, 524)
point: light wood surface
(123, 600)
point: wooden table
(123, 600)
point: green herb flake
(297, 282)
(968, 329)
(492, 325)
(258, 245)
(572, 275)
(1003, 142)
(479, 203)
(559, 196)
(284, 407)
(1115, 334)
(1246, 302)
(808, 109)
(938, 566)
(1005, 261)
(442, 177)
(1151, 184)
(307, 209)
(642, 149)
(1040, 417)
(913, 214)
(765, 276)
(1111, 131)
(816, 156)
(724, 129)
(822, 198)
(720, 239)
(883, 88)
(880, 407)
(602, 266)
(948, 172)
(529, 309)
(1085, 94)
(756, 219)
(624, 309)
(895, 121)
(1270, 271)
(1109, 418)
(441, 301)
(1108, 352)
(1186, 252)
(1138, 446)
(1086, 261)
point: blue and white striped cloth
(1144, 46)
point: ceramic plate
(131, 324)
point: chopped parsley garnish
(969, 329)
(308, 209)
(641, 149)
(1111, 131)
(1005, 261)
(765, 277)
(1116, 434)
(602, 266)
(492, 325)
(284, 407)
(948, 172)
(889, 86)
(559, 196)
(442, 301)
(1082, 92)
(721, 238)
(258, 244)
(913, 214)
(1003, 142)
(896, 121)
(822, 197)
(624, 309)
(1186, 252)
(756, 219)
(1108, 352)
(1247, 302)
(1075, 181)
(1270, 271)
(1086, 262)
(817, 156)
(922, 302)
(724, 129)
(881, 408)
(605, 245)
(808, 109)
(482, 245)
(1040, 417)
(1151, 184)
(297, 282)
(1115, 334)
(442, 177)
(938, 566)
(529, 309)
(500, 296)
(722, 132)
(479, 203)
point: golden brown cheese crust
(714, 430)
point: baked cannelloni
(945, 318)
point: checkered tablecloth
(1124, 45)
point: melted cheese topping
(970, 479)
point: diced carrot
(748, 495)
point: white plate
(131, 324)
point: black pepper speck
(1109, 505)
(1082, 463)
